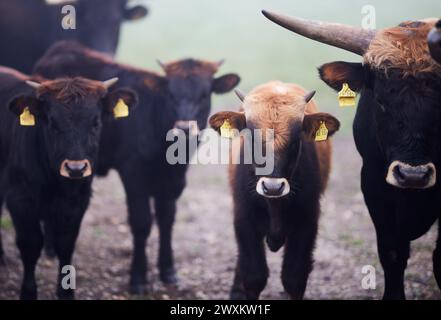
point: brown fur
(71, 89)
(404, 48)
(180, 68)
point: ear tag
(346, 97)
(322, 132)
(121, 110)
(27, 119)
(227, 130)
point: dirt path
(205, 248)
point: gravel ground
(205, 249)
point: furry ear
(225, 83)
(19, 103)
(311, 123)
(334, 74)
(120, 102)
(237, 120)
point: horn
(309, 96)
(342, 36)
(108, 83)
(240, 95)
(33, 84)
(220, 63)
(434, 42)
(162, 65)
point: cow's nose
(272, 187)
(403, 175)
(75, 169)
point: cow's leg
(393, 253)
(140, 220)
(165, 210)
(64, 239)
(2, 253)
(29, 239)
(298, 259)
(437, 257)
(251, 271)
(49, 249)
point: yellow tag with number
(346, 97)
(322, 132)
(27, 119)
(121, 109)
(227, 130)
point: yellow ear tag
(121, 109)
(27, 119)
(227, 130)
(346, 97)
(322, 132)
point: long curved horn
(108, 83)
(33, 84)
(309, 96)
(342, 36)
(240, 95)
(434, 41)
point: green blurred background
(254, 47)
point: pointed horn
(108, 83)
(353, 39)
(309, 96)
(240, 95)
(220, 63)
(33, 84)
(162, 65)
(434, 41)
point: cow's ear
(234, 120)
(225, 83)
(135, 13)
(18, 104)
(335, 74)
(312, 122)
(119, 103)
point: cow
(396, 130)
(29, 27)
(49, 135)
(284, 205)
(434, 42)
(181, 100)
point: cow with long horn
(396, 130)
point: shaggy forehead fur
(403, 48)
(71, 90)
(277, 106)
(191, 66)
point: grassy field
(253, 46)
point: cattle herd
(69, 111)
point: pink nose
(75, 169)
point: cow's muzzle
(75, 169)
(272, 187)
(189, 127)
(403, 175)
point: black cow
(137, 148)
(49, 135)
(29, 27)
(434, 40)
(396, 131)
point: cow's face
(69, 113)
(190, 84)
(99, 22)
(407, 115)
(282, 108)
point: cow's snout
(75, 169)
(403, 175)
(272, 187)
(189, 127)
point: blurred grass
(253, 46)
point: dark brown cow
(284, 205)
